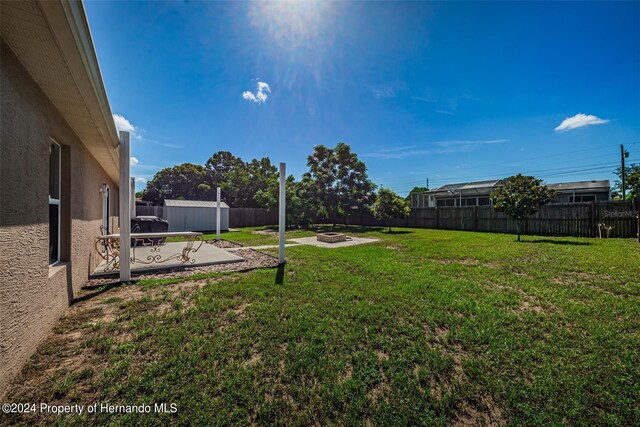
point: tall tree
(389, 205)
(243, 184)
(253, 184)
(219, 166)
(337, 181)
(296, 214)
(186, 181)
(521, 196)
(631, 179)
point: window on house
(54, 203)
(446, 202)
(483, 201)
(578, 198)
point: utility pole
(427, 183)
(623, 154)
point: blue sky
(449, 91)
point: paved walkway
(353, 241)
(167, 256)
(313, 241)
(263, 247)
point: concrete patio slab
(207, 254)
(313, 241)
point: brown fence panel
(494, 222)
(579, 219)
(621, 216)
(251, 217)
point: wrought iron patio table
(111, 245)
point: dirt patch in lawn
(266, 232)
(68, 365)
(468, 262)
(67, 362)
(480, 410)
(598, 282)
(470, 415)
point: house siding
(33, 295)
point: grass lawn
(425, 327)
(251, 236)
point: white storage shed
(195, 215)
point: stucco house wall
(33, 295)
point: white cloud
(451, 146)
(133, 161)
(578, 121)
(123, 124)
(141, 179)
(457, 142)
(397, 152)
(260, 97)
(390, 90)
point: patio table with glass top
(108, 247)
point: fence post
(592, 219)
(475, 218)
(637, 209)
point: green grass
(250, 236)
(425, 327)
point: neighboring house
(477, 193)
(58, 169)
(582, 191)
(195, 215)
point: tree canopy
(632, 180)
(252, 185)
(521, 196)
(388, 205)
(336, 182)
(186, 181)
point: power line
(554, 155)
(547, 173)
(497, 175)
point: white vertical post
(104, 190)
(218, 214)
(132, 203)
(124, 208)
(282, 219)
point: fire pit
(331, 237)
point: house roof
(469, 185)
(602, 185)
(485, 187)
(194, 204)
(53, 42)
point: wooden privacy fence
(251, 217)
(238, 217)
(577, 219)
